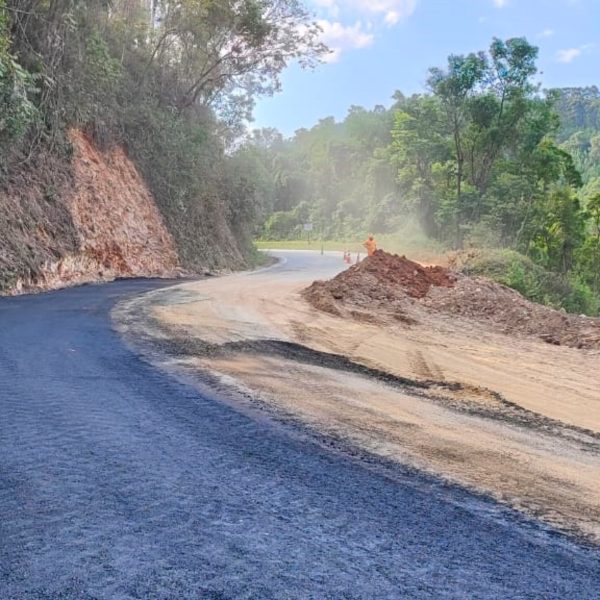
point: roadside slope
(91, 220)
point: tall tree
(455, 86)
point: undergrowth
(537, 284)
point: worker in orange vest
(371, 245)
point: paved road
(118, 482)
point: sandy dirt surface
(513, 417)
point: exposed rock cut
(92, 221)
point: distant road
(119, 482)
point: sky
(379, 46)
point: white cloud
(546, 33)
(331, 6)
(341, 37)
(351, 24)
(568, 55)
(392, 10)
(391, 18)
(500, 3)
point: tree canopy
(485, 157)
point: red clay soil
(94, 220)
(383, 283)
(387, 287)
(414, 279)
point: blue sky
(380, 46)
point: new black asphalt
(118, 481)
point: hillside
(93, 219)
(117, 123)
(579, 113)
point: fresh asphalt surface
(118, 481)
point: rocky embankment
(91, 220)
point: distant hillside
(579, 113)
(578, 109)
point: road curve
(119, 482)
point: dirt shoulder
(511, 416)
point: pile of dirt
(383, 285)
(387, 286)
(414, 279)
(506, 310)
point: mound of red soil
(414, 279)
(384, 282)
(386, 286)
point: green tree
(421, 153)
(455, 87)
(220, 47)
(17, 88)
(561, 230)
(589, 255)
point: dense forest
(171, 82)
(485, 158)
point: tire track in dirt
(411, 393)
(457, 396)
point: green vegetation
(484, 159)
(579, 134)
(17, 88)
(530, 279)
(171, 81)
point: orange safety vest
(371, 246)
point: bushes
(183, 163)
(282, 225)
(581, 298)
(17, 88)
(534, 282)
(93, 97)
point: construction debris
(388, 287)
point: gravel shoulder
(512, 417)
